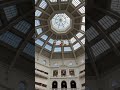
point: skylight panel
(43, 4)
(53, 0)
(58, 42)
(57, 49)
(66, 42)
(11, 39)
(10, 12)
(29, 49)
(107, 22)
(39, 31)
(67, 49)
(116, 35)
(72, 40)
(51, 41)
(115, 5)
(79, 35)
(64, 0)
(76, 2)
(37, 22)
(82, 9)
(44, 37)
(83, 28)
(48, 47)
(76, 46)
(100, 47)
(39, 42)
(22, 26)
(83, 19)
(91, 33)
(83, 40)
(38, 13)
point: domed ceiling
(60, 28)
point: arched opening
(54, 85)
(64, 84)
(73, 84)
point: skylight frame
(75, 3)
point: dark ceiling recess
(102, 41)
(17, 35)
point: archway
(54, 84)
(73, 84)
(64, 84)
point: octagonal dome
(60, 23)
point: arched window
(54, 85)
(73, 84)
(64, 84)
(22, 86)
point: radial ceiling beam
(53, 47)
(20, 50)
(48, 1)
(62, 49)
(71, 46)
(92, 58)
(41, 26)
(69, 2)
(39, 18)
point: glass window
(76, 46)
(43, 4)
(83, 28)
(57, 49)
(11, 39)
(48, 47)
(37, 22)
(38, 13)
(83, 40)
(39, 31)
(91, 33)
(79, 35)
(100, 47)
(22, 26)
(39, 42)
(107, 22)
(83, 19)
(51, 41)
(53, 0)
(10, 12)
(67, 49)
(29, 49)
(76, 2)
(44, 37)
(82, 9)
(72, 40)
(115, 35)
(115, 5)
